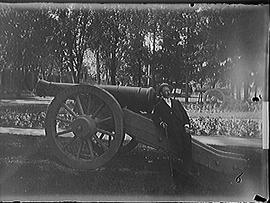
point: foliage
(236, 106)
(207, 126)
(141, 46)
(34, 117)
(23, 116)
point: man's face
(166, 92)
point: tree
(201, 44)
(70, 37)
(134, 48)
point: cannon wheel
(214, 96)
(84, 127)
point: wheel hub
(84, 126)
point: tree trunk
(113, 62)
(214, 82)
(201, 93)
(238, 91)
(107, 76)
(79, 66)
(113, 69)
(76, 77)
(61, 76)
(98, 66)
(255, 90)
(73, 76)
(233, 90)
(0, 80)
(139, 74)
(186, 88)
(245, 90)
(153, 69)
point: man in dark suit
(170, 115)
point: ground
(29, 172)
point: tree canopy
(136, 45)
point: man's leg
(174, 163)
(183, 172)
(189, 164)
(187, 151)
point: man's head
(165, 90)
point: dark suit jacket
(176, 114)
(176, 117)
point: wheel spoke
(89, 104)
(102, 135)
(85, 124)
(79, 150)
(104, 120)
(80, 105)
(70, 110)
(100, 142)
(90, 147)
(105, 132)
(64, 132)
(110, 138)
(98, 110)
(63, 120)
(70, 142)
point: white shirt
(168, 101)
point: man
(169, 114)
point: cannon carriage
(218, 96)
(86, 125)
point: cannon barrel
(134, 98)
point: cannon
(218, 96)
(86, 125)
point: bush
(235, 106)
(23, 116)
(33, 116)
(208, 126)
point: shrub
(235, 106)
(33, 116)
(217, 126)
(23, 116)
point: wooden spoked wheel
(84, 126)
(214, 97)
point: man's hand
(163, 124)
(187, 128)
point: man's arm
(185, 118)
(156, 117)
(184, 113)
